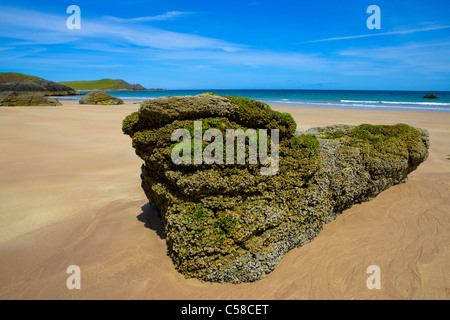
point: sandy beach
(70, 194)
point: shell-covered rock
(14, 99)
(100, 98)
(230, 223)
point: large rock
(229, 222)
(430, 96)
(44, 87)
(100, 98)
(13, 99)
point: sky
(246, 44)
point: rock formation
(103, 85)
(229, 222)
(13, 99)
(100, 98)
(22, 83)
(430, 96)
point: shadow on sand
(152, 220)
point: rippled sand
(70, 195)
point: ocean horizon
(350, 99)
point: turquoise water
(386, 100)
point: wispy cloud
(407, 31)
(252, 58)
(34, 27)
(254, 3)
(144, 42)
(423, 57)
(171, 15)
(117, 43)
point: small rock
(14, 99)
(430, 96)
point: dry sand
(70, 195)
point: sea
(351, 99)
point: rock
(13, 99)
(430, 96)
(103, 85)
(230, 223)
(44, 87)
(100, 98)
(137, 87)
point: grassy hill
(104, 84)
(11, 77)
(23, 83)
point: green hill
(11, 77)
(104, 84)
(23, 83)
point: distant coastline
(346, 99)
(105, 85)
(120, 90)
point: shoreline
(70, 194)
(429, 106)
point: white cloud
(406, 31)
(42, 28)
(143, 42)
(171, 15)
(424, 57)
(246, 57)
(104, 42)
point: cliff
(21, 83)
(105, 85)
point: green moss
(300, 154)
(103, 84)
(371, 133)
(287, 117)
(211, 94)
(333, 135)
(377, 133)
(212, 123)
(198, 212)
(306, 141)
(11, 77)
(382, 144)
(256, 114)
(249, 114)
(130, 124)
(226, 225)
(248, 104)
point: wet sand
(70, 195)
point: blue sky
(247, 44)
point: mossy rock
(100, 98)
(230, 223)
(13, 99)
